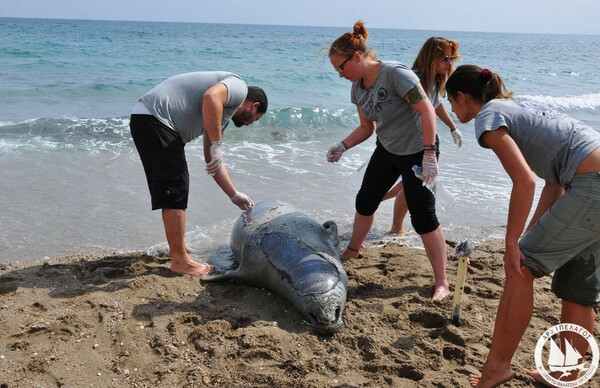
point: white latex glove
(335, 152)
(216, 158)
(242, 201)
(430, 169)
(419, 174)
(457, 136)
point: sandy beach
(126, 320)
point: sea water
(72, 182)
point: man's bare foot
(480, 382)
(349, 253)
(191, 268)
(440, 293)
(398, 231)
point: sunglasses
(448, 58)
(340, 68)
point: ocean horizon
(73, 182)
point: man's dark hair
(256, 94)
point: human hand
(335, 152)
(242, 201)
(457, 136)
(216, 158)
(513, 261)
(430, 169)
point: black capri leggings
(382, 172)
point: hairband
(486, 75)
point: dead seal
(277, 246)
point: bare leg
(435, 247)
(394, 191)
(181, 262)
(362, 226)
(583, 316)
(514, 314)
(400, 211)
(400, 208)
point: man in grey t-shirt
(176, 111)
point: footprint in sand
(428, 320)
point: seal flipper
(223, 268)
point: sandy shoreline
(126, 320)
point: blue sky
(536, 16)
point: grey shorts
(566, 241)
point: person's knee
(366, 206)
(579, 297)
(526, 275)
(569, 306)
(171, 194)
(366, 209)
(424, 224)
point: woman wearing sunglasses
(433, 65)
(391, 102)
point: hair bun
(360, 29)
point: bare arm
(418, 100)
(222, 176)
(443, 114)
(550, 194)
(360, 133)
(213, 101)
(521, 198)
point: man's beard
(241, 118)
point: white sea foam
(586, 101)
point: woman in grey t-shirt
(563, 235)
(391, 102)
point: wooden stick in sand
(462, 252)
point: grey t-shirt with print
(398, 124)
(177, 101)
(554, 146)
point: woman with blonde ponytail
(391, 103)
(563, 234)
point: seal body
(278, 247)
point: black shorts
(163, 157)
(383, 170)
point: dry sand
(126, 320)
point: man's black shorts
(163, 157)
